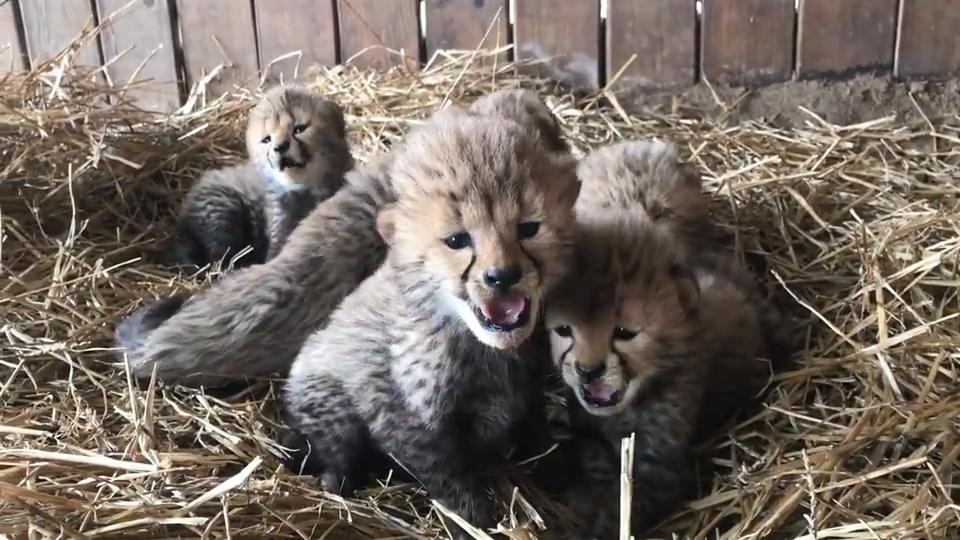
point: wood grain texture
(747, 42)
(461, 24)
(304, 26)
(51, 25)
(216, 32)
(662, 35)
(565, 32)
(386, 32)
(928, 45)
(11, 54)
(138, 45)
(841, 37)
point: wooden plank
(374, 28)
(138, 46)
(662, 35)
(569, 36)
(11, 54)
(927, 46)
(214, 33)
(304, 26)
(461, 24)
(840, 37)
(51, 25)
(747, 42)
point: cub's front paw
(474, 507)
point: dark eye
(622, 334)
(528, 229)
(457, 241)
(299, 128)
(265, 140)
(563, 331)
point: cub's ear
(335, 112)
(570, 193)
(688, 291)
(386, 223)
(565, 183)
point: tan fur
(254, 322)
(258, 203)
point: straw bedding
(859, 225)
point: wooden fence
(645, 45)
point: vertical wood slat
(662, 35)
(747, 42)
(566, 32)
(51, 25)
(144, 37)
(11, 54)
(216, 32)
(838, 37)
(375, 27)
(927, 45)
(461, 24)
(307, 26)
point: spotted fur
(404, 368)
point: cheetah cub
(649, 345)
(298, 155)
(421, 362)
(231, 330)
(654, 331)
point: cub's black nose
(502, 278)
(281, 147)
(589, 374)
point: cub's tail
(132, 332)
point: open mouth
(600, 394)
(287, 163)
(504, 313)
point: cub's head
(299, 138)
(486, 217)
(624, 314)
(525, 108)
(645, 176)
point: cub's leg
(284, 209)
(533, 438)
(594, 496)
(216, 224)
(441, 461)
(334, 441)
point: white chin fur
(463, 310)
(279, 178)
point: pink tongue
(506, 310)
(600, 390)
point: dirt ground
(842, 102)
